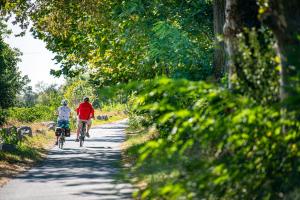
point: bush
(3, 114)
(215, 145)
(31, 114)
(257, 66)
(10, 136)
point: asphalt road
(74, 173)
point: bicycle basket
(68, 132)
(58, 131)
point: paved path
(87, 173)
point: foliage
(27, 98)
(75, 90)
(125, 41)
(32, 114)
(11, 80)
(177, 55)
(9, 137)
(213, 144)
(30, 150)
(49, 95)
(209, 143)
(258, 67)
(39, 105)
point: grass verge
(113, 116)
(140, 177)
(30, 151)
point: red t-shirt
(85, 111)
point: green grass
(113, 116)
(110, 120)
(149, 173)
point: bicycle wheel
(82, 134)
(62, 139)
(61, 142)
(81, 140)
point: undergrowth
(210, 144)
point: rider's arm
(77, 110)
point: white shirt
(64, 113)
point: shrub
(10, 136)
(3, 114)
(215, 145)
(31, 114)
(257, 66)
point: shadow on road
(91, 171)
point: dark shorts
(63, 124)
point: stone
(48, 123)
(9, 147)
(102, 117)
(51, 126)
(25, 130)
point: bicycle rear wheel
(61, 142)
(81, 140)
(82, 134)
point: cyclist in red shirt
(85, 113)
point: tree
(219, 64)
(123, 42)
(283, 17)
(239, 15)
(11, 80)
(48, 95)
(27, 96)
(76, 89)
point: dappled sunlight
(208, 93)
(90, 172)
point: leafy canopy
(120, 41)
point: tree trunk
(283, 17)
(219, 54)
(230, 31)
(239, 14)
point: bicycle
(82, 133)
(62, 131)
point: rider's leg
(89, 124)
(58, 125)
(79, 125)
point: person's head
(86, 99)
(64, 102)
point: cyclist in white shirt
(63, 119)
